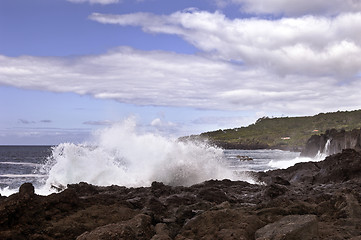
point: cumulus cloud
(126, 74)
(103, 2)
(288, 65)
(164, 127)
(224, 121)
(295, 7)
(170, 79)
(157, 122)
(314, 46)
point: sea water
(121, 155)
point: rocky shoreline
(315, 200)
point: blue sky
(69, 67)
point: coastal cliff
(286, 133)
(332, 141)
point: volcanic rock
(26, 190)
(139, 227)
(293, 227)
(329, 191)
(224, 224)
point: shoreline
(322, 197)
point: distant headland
(286, 133)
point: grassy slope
(270, 131)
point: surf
(121, 155)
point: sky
(71, 67)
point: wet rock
(84, 189)
(162, 232)
(109, 232)
(158, 189)
(160, 237)
(225, 209)
(356, 238)
(221, 224)
(26, 190)
(294, 227)
(275, 190)
(348, 207)
(340, 167)
(223, 205)
(156, 208)
(280, 181)
(244, 158)
(137, 228)
(213, 194)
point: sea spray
(321, 155)
(289, 163)
(120, 155)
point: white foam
(122, 156)
(321, 155)
(289, 163)
(7, 191)
(21, 163)
(22, 175)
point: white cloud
(103, 2)
(314, 46)
(164, 127)
(157, 122)
(295, 7)
(290, 65)
(225, 121)
(170, 79)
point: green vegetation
(285, 132)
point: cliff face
(332, 142)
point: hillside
(283, 133)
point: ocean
(121, 155)
(19, 164)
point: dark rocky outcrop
(140, 227)
(292, 227)
(315, 200)
(338, 140)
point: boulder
(293, 227)
(26, 190)
(139, 227)
(275, 190)
(162, 232)
(340, 167)
(224, 224)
